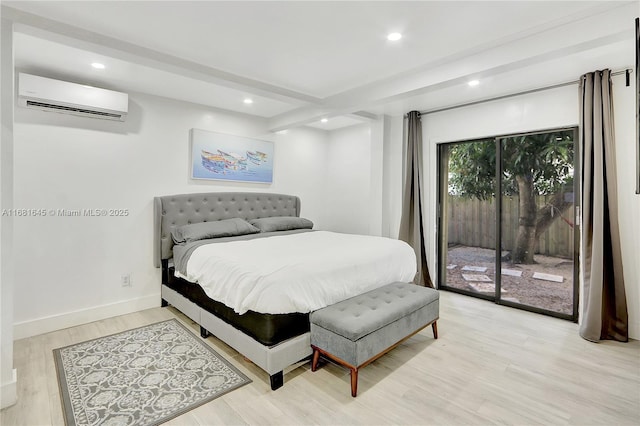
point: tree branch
(554, 208)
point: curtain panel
(604, 313)
(411, 228)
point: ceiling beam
(478, 61)
(87, 40)
(364, 116)
(438, 78)
(492, 58)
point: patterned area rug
(143, 376)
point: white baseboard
(634, 330)
(9, 392)
(31, 328)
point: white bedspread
(298, 273)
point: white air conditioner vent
(47, 94)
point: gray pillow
(281, 223)
(215, 229)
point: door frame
(441, 245)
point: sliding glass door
(468, 217)
(506, 220)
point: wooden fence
(472, 222)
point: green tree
(538, 164)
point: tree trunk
(532, 223)
(526, 238)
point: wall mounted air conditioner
(47, 94)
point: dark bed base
(268, 329)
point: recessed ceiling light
(248, 101)
(394, 36)
(98, 65)
(324, 120)
(473, 83)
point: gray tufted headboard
(182, 209)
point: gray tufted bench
(357, 331)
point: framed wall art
(216, 156)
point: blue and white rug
(143, 376)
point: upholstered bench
(357, 331)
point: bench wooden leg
(354, 382)
(314, 361)
(434, 327)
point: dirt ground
(550, 295)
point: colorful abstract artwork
(233, 158)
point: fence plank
(471, 222)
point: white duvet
(299, 272)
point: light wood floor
(491, 364)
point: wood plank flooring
(491, 365)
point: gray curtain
(411, 229)
(604, 314)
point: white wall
(348, 180)
(624, 105)
(300, 158)
(358, 180)
(8, 382)
(393, 179)
(68, 269)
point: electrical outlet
(126, 280)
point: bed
(265, 318)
